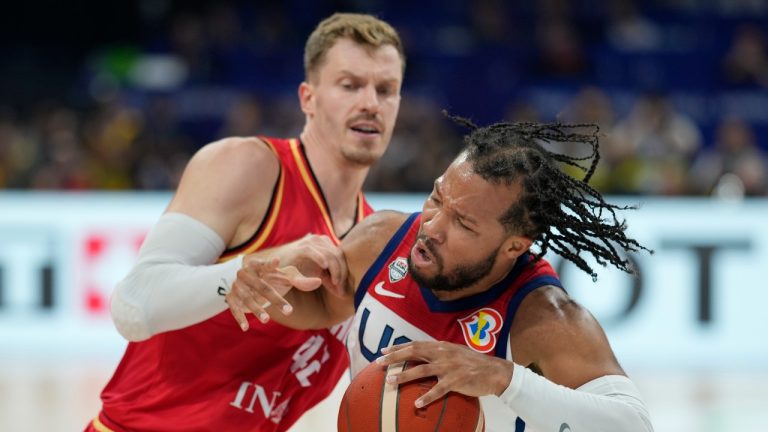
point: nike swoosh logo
(380, 290)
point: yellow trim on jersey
(273, 213)
(360, 208)
(99, 426)
(301, 163)
(271, 217)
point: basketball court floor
(39, 395)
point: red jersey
(391, 308)
(212, 376)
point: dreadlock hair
(560, 213)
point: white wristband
(174, 283)
(607, 404)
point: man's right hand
(260, 284)
(316, 256)
(310, 262)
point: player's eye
(464, 226)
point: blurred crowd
(679, 90)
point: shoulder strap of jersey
(540, 274)
(273, 209)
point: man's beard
(462, 277)
(363, 157)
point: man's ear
(515, 246)
(307, 98)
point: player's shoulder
(234, 152)
(236, 161)
(368, 238)
(549, 310)
(381, 223)
(547, 320)
(373, 232)
(233, 172)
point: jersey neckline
(317, 191)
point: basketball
(372, 405)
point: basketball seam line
(381, 401)
(397, 401)
(349, 421)
(442, 412)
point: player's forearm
(173, 284)
(610, 403)
(313, 310)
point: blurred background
(103, 103)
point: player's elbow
(128, 315)
(631, 416)
(643, 422)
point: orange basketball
(372, 405)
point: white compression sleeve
(607, 404)
(174, 283)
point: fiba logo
(480, 328)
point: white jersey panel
(367, 337)
(386, 330)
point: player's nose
(369, 99)
(434, 228)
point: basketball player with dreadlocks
(457, 286)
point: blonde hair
(363, 29)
